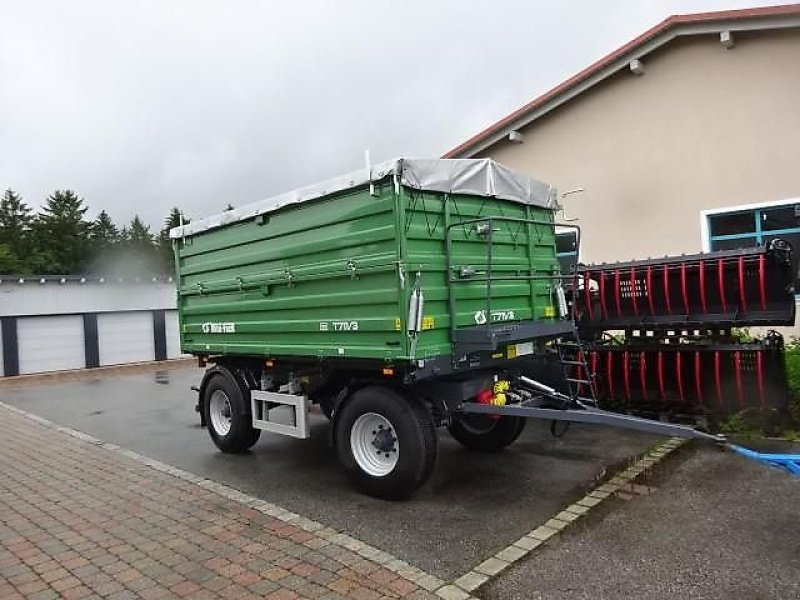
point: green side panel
(314, 279)
(333, 277)
(517, 250)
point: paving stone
(451, 592)
(608, 488)
(491, 566)
(567, 516)
(92, 520)
(471, 581)
(543, 533)
(556, 524)
(528, 543)
(589, 502)
(427, 582)
(511, 554)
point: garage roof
(768, 17)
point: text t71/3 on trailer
(403, 297)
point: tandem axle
(383, 428)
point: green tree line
(60, 240)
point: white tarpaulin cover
(472, 176)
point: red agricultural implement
(680, 375)
(676, 353)
(718, 290)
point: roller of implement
(702, 377)
(728, 288)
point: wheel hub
(384, 440)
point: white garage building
(56, 323)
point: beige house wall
(704, 127)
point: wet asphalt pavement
(473, 506)
(719, 526)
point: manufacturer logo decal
(480, 317)
(218, 327)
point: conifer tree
(61, 235)
(15, 225)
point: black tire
(326, 406)
(484, 433)
(415, 442)
(241, 436)
(327, 394)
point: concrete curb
(502, 560)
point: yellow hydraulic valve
(499, 390)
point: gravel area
(716, 526)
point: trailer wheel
(326, 406)
(229, 421)
(386, 442)
(485, 433)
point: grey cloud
(142, 105)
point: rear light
(485, 396)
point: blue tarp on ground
(787, 462)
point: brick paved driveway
(442, 530)
(80, 520)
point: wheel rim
(373, 442)
(219, 411)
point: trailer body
(333, 274)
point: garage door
(173, 334)
(125, 337)
(50, 343)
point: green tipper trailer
(333, 271)
(401, 297)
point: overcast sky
(144, 105)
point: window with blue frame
(567, 250)
(756, 227)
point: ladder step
(573, 362)
(578, 380)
